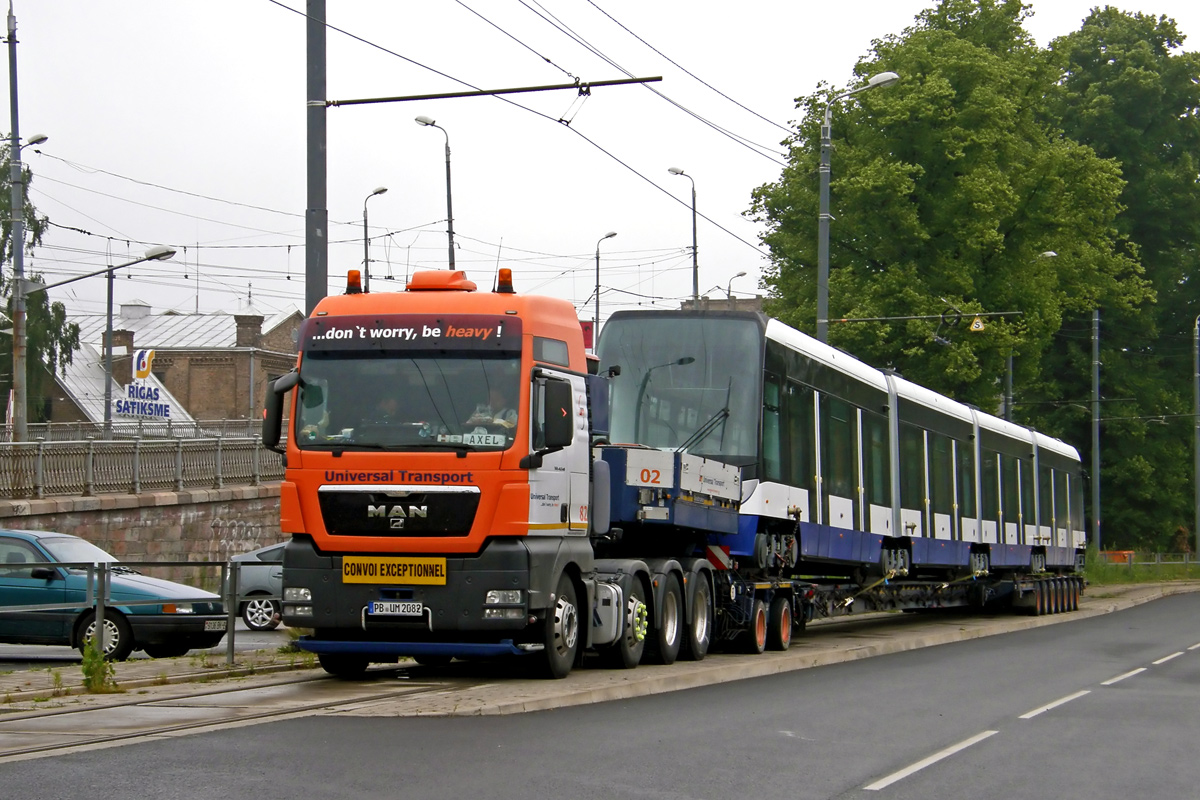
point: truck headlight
(504, 604)
(297, 594)
(502, 597)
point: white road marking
(1055, 704)
(1195, 646)
(1129, 674)
(883, 783)
(1165, 659)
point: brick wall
(197, 525)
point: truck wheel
(562, 630)
(663, 646)
(626, 652)
(754, 640)
(779, 626)
(699, 633)
(346, 666)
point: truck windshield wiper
(704, 430)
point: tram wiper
(704, 430)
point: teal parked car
(186, 618)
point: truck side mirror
(273, 409)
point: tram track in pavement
(115, 719)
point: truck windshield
(686, 382)
(385, 400)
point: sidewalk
(31, 689)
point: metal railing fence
(94, 466)
(138, 429)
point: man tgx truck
(746, 479)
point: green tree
(1128, 91)
(51, 340)
(945, 190)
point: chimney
(122, 342)
(249, 329)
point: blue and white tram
(878, 475)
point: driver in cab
(496, 412)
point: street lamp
(637, 406)
(596, 321)
(729, 287)
(882, 80)
(429, 123)
(695, 264)
(157, 253)
(366, 241)
(16, 177)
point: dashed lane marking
(1055, 704)
(883, 783)
(1120, 678)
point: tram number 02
(651, 476)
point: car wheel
(260, 614)
(172, 650)
(118, 636)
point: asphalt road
(1096, 708)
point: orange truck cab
(437, 486)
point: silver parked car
(260, 585)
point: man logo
(396, 515)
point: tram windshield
(690, 383)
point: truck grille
(382, 513)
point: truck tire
(698, 635)
(626, 652)
(346, 666)
(562, 630)
(754, 639)
(779, 625)
(662, 647)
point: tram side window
(990, 494)
(772, 446)
(876, 470)
(839, 447)
(912, 466)
(1046, 498)
(1011, 498)
(1076, 501)
(941, 474)
(966, 481)
(1026, 494)
(1061, 517)
(801, 427)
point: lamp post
(429, 123)
(695, 262)
(729, 287)
(367, 240)
(883, 79)
(596, 320)
(17, 178)
(637, 406)
(157, 253)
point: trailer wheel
(699, 632)
(754, 640)
(663, 646)
(626, 652)
(779, 627)
(343, 665)
(562, 630)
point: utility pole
(1096, 428)
(19, 414)
(316, 215)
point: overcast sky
(183, 123)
